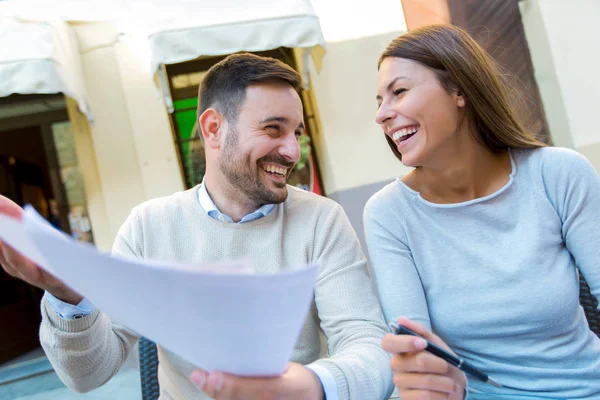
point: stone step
(24, 369)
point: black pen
(444, 355)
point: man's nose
(290, 148)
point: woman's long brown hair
(461, 65)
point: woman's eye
(398, 91)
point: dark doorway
(28, 175)
(23, 180)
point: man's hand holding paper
(142, 295)
(297, 383)
(19, 266)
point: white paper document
(217, 316)
(12, 232)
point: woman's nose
(383, 114)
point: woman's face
(415, 110)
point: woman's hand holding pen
(419, 374)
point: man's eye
(274, 128)
(398, 91)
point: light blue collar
(211, 209)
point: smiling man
(250, 117)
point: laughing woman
(477, 248)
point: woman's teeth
(404, 134)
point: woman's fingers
(431, 382)
(419, 374)
(423, 331)
(400, 344)
(419, 362)
(423, 395)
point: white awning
(209, 28)
(40, 58)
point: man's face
(261, 148)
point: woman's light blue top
(496, 277)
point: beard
(245, 176)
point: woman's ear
(211, 124)
(461, 101)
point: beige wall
(135, 157)
(592, 152)
(351, 147)
(150, 125)
(88, 166)
(563, 39)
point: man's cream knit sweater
(305, 229)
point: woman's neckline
(468, 202)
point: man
(250, 119)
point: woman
(477, 248)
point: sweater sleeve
(396, 275)
(350, 313)
(573, 187)
(89, 351)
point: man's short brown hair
(224, 86)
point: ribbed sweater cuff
(72, 326)
(338, 374)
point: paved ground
(124, 386)
(46, 385)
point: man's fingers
(422, 395)
(438, 383)
(223, 386)
(15, 258)
(216, 385)
(198, 378)
(21, 265)
(2, 259)
(8, 267)
(10, 208)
